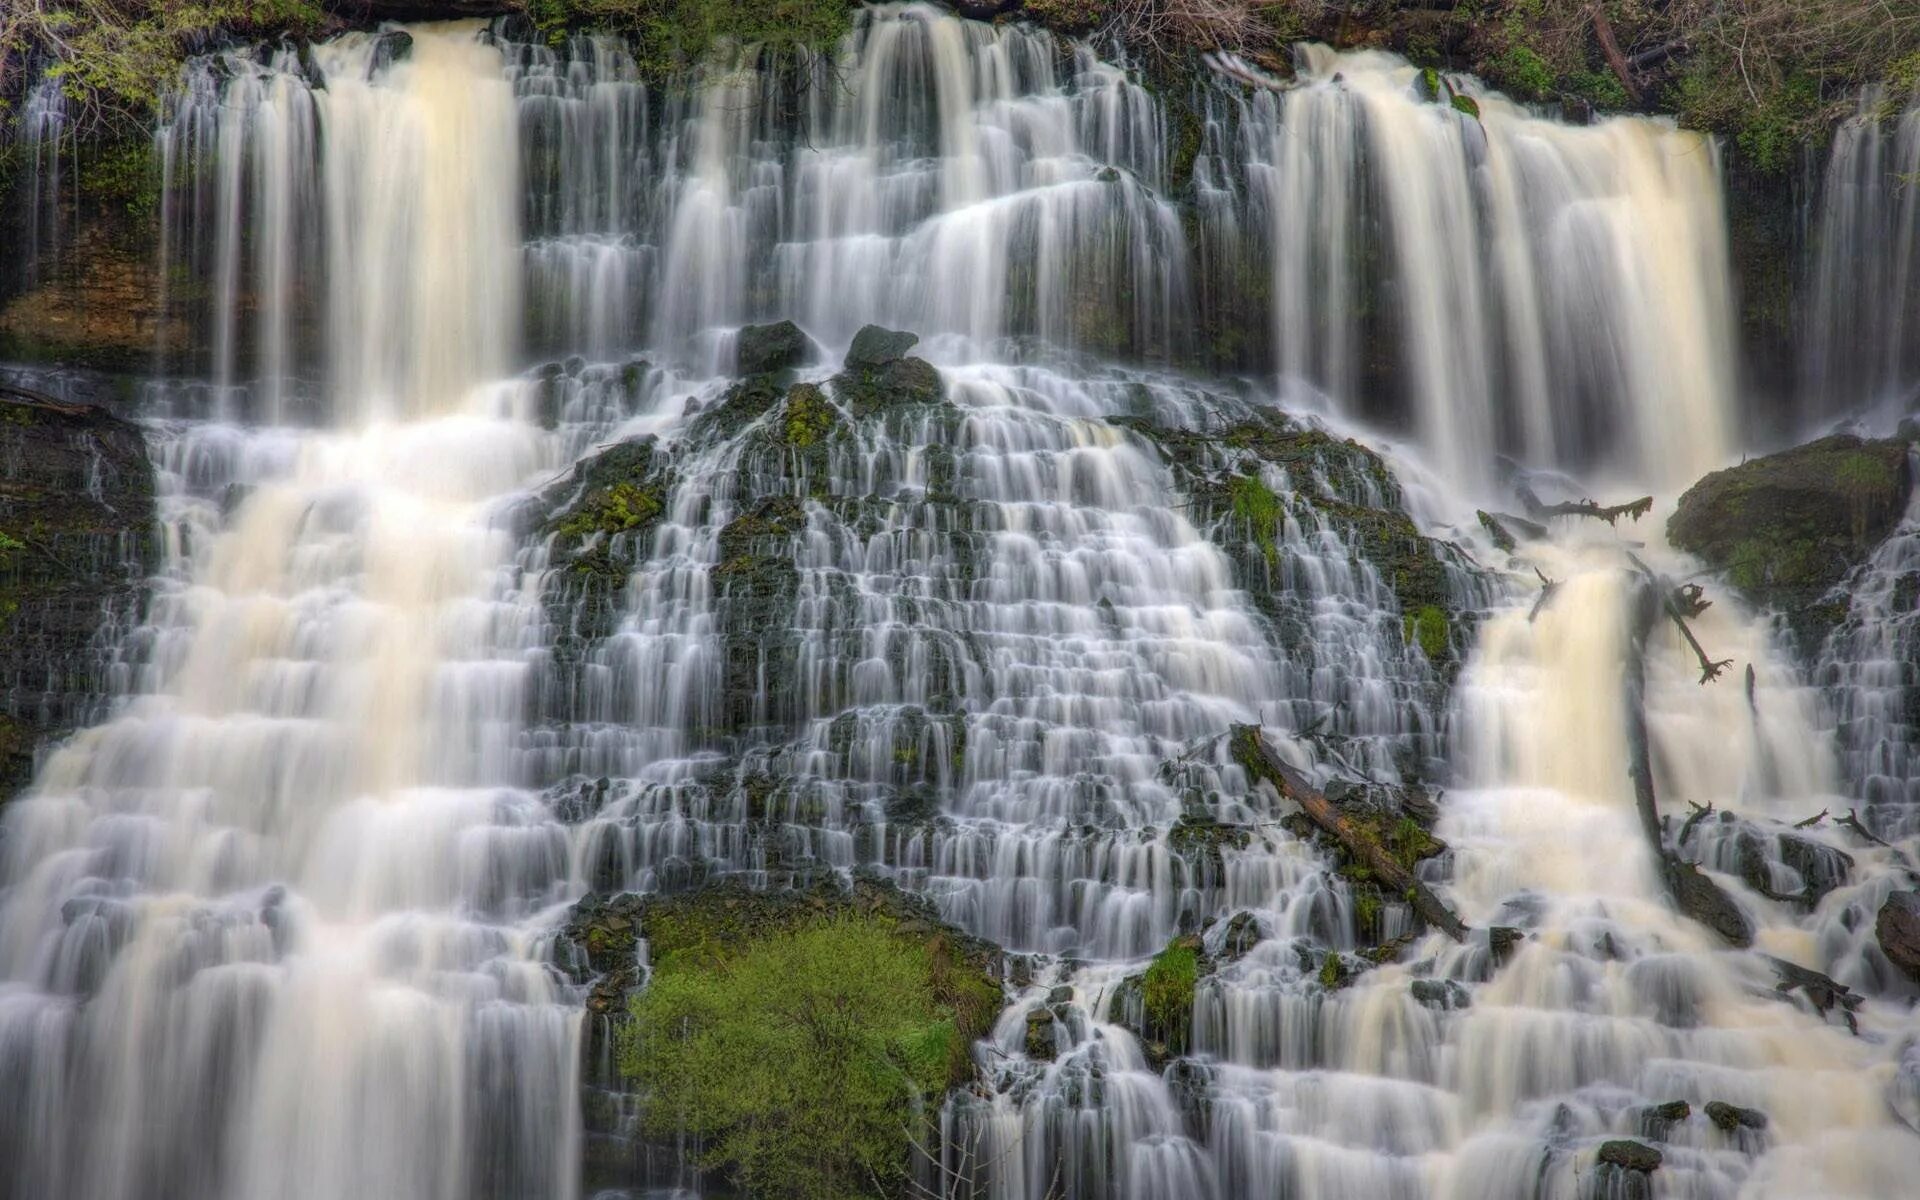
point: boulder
(876, 347)
(1786, 528)
(1630, 1155)
(1730, 1118)
(765, 348)
(1897, 929)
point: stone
(1630, 1155)
(1039, 1039)
(1444, 995)
(1731, 1118)
(1786, 528)
(876, 347)
(1897, 929)
(777, 347)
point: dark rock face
(1788, 527)
(76, 547)
(777, 347)
(1897, 929)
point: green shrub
(669, 35)
(1167, 991)
(807, 1061)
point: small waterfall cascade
(1518, 285)
(492, 585)
(289, 896)
(1869, 663)
(1861, 346)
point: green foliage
(1068, 16)
(1523, 72)
(1256, 504)
(115, 57)
(123, 175)
(1426, 627)
(805, 1061)
(670, 35)
(1167, 990)
(1600, 89)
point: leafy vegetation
(808, 1058)
(668, 35)
(114, 57)
(1167, 992)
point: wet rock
(1658, 1120)
(767, 348)
(1630, 1155)
(1729, 1118)
(1040, 1040)
(1243, 934)
(1200, 840)
(1501, 941)
(1700, 898)
(1897, 929)
(876, 347)
(77, 545)
(1444, 995)
(1788, 527)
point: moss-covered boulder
(1788, 527)
(718, 957)
(77, 545)
(765, 348)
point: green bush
(669, 35)
(807, 1062)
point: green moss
(807, 1060)
(1333, 972)
(616, 509)
(810, 416)
(1427, 628)
(670, 35)
(1167, 991)
(1256, 504)
(1521, 71)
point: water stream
(282, 927)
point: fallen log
(1822, 991)
(1253, 754)
(1633, 510)
(1694, 892)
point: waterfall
(285, 924)
(1859, 331)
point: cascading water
(1862, 348)
(282, 927)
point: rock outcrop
(76, 547)
(1786, 528)
(1897, 929)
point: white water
(276, 930)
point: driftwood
(1693, 891)
(1251, 751)
(1610, 50)
(1633, 510)
(1822, 991)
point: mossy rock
(1786, 529)
(762, 349)
(1630, 1155)
(876, 347)
(1202, 839)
